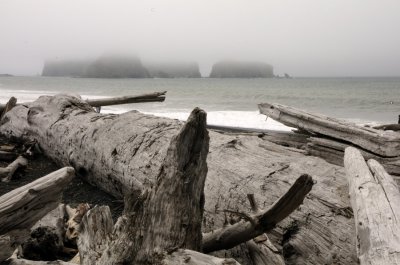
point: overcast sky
(302, 38)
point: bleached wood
(7, 173)
(384, 143)
(23, 207)
(230, 236)
(124, 153)
(333, 152)
(375, 200)
(169, 214)
(152, 97)
(190, 257)
(95, 234)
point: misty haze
(199, 132)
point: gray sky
(302, 38)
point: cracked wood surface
(123, 153)
(375, 200)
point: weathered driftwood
(97, 103)
(375, 200)
(123, 154)
(169, 215)
(74, 221)
(17, 261)
(190, 257)
(7, 173)
(261, 249)
(21, 208)
(95, 234)
(333, 152)
(260, 223)
(388, 127)
(46, 241)
(152, 97)
(12, 102)
(383, 143)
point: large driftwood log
(375, 200)
(383, 143)
(124, 154)
(169, 215)
(21, 208)
(151, 97)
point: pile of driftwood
(194, 196)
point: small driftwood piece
(21, 208)
(261, 249)
(190, 257)
(375, 198)
(256, 225)
(153, 97)
(383, 143)
(74, 221)
(12, 102)
(7, 172)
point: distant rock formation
(65, 68)
(5, 75)
(109, 66)
(174, 70)
(233, 69)
(117, 67)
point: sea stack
(235, 69)
(113, 66)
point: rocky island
(117, 67)
(236, 69)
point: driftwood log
(123, 155)
(333, 152)
(21, 208)
(383, 143)
(6, 173)
(375, 200)
(152, 97)
(97, 103)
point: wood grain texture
(384, 143)
(125, 152)
(375, 200)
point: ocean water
(229, 102)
